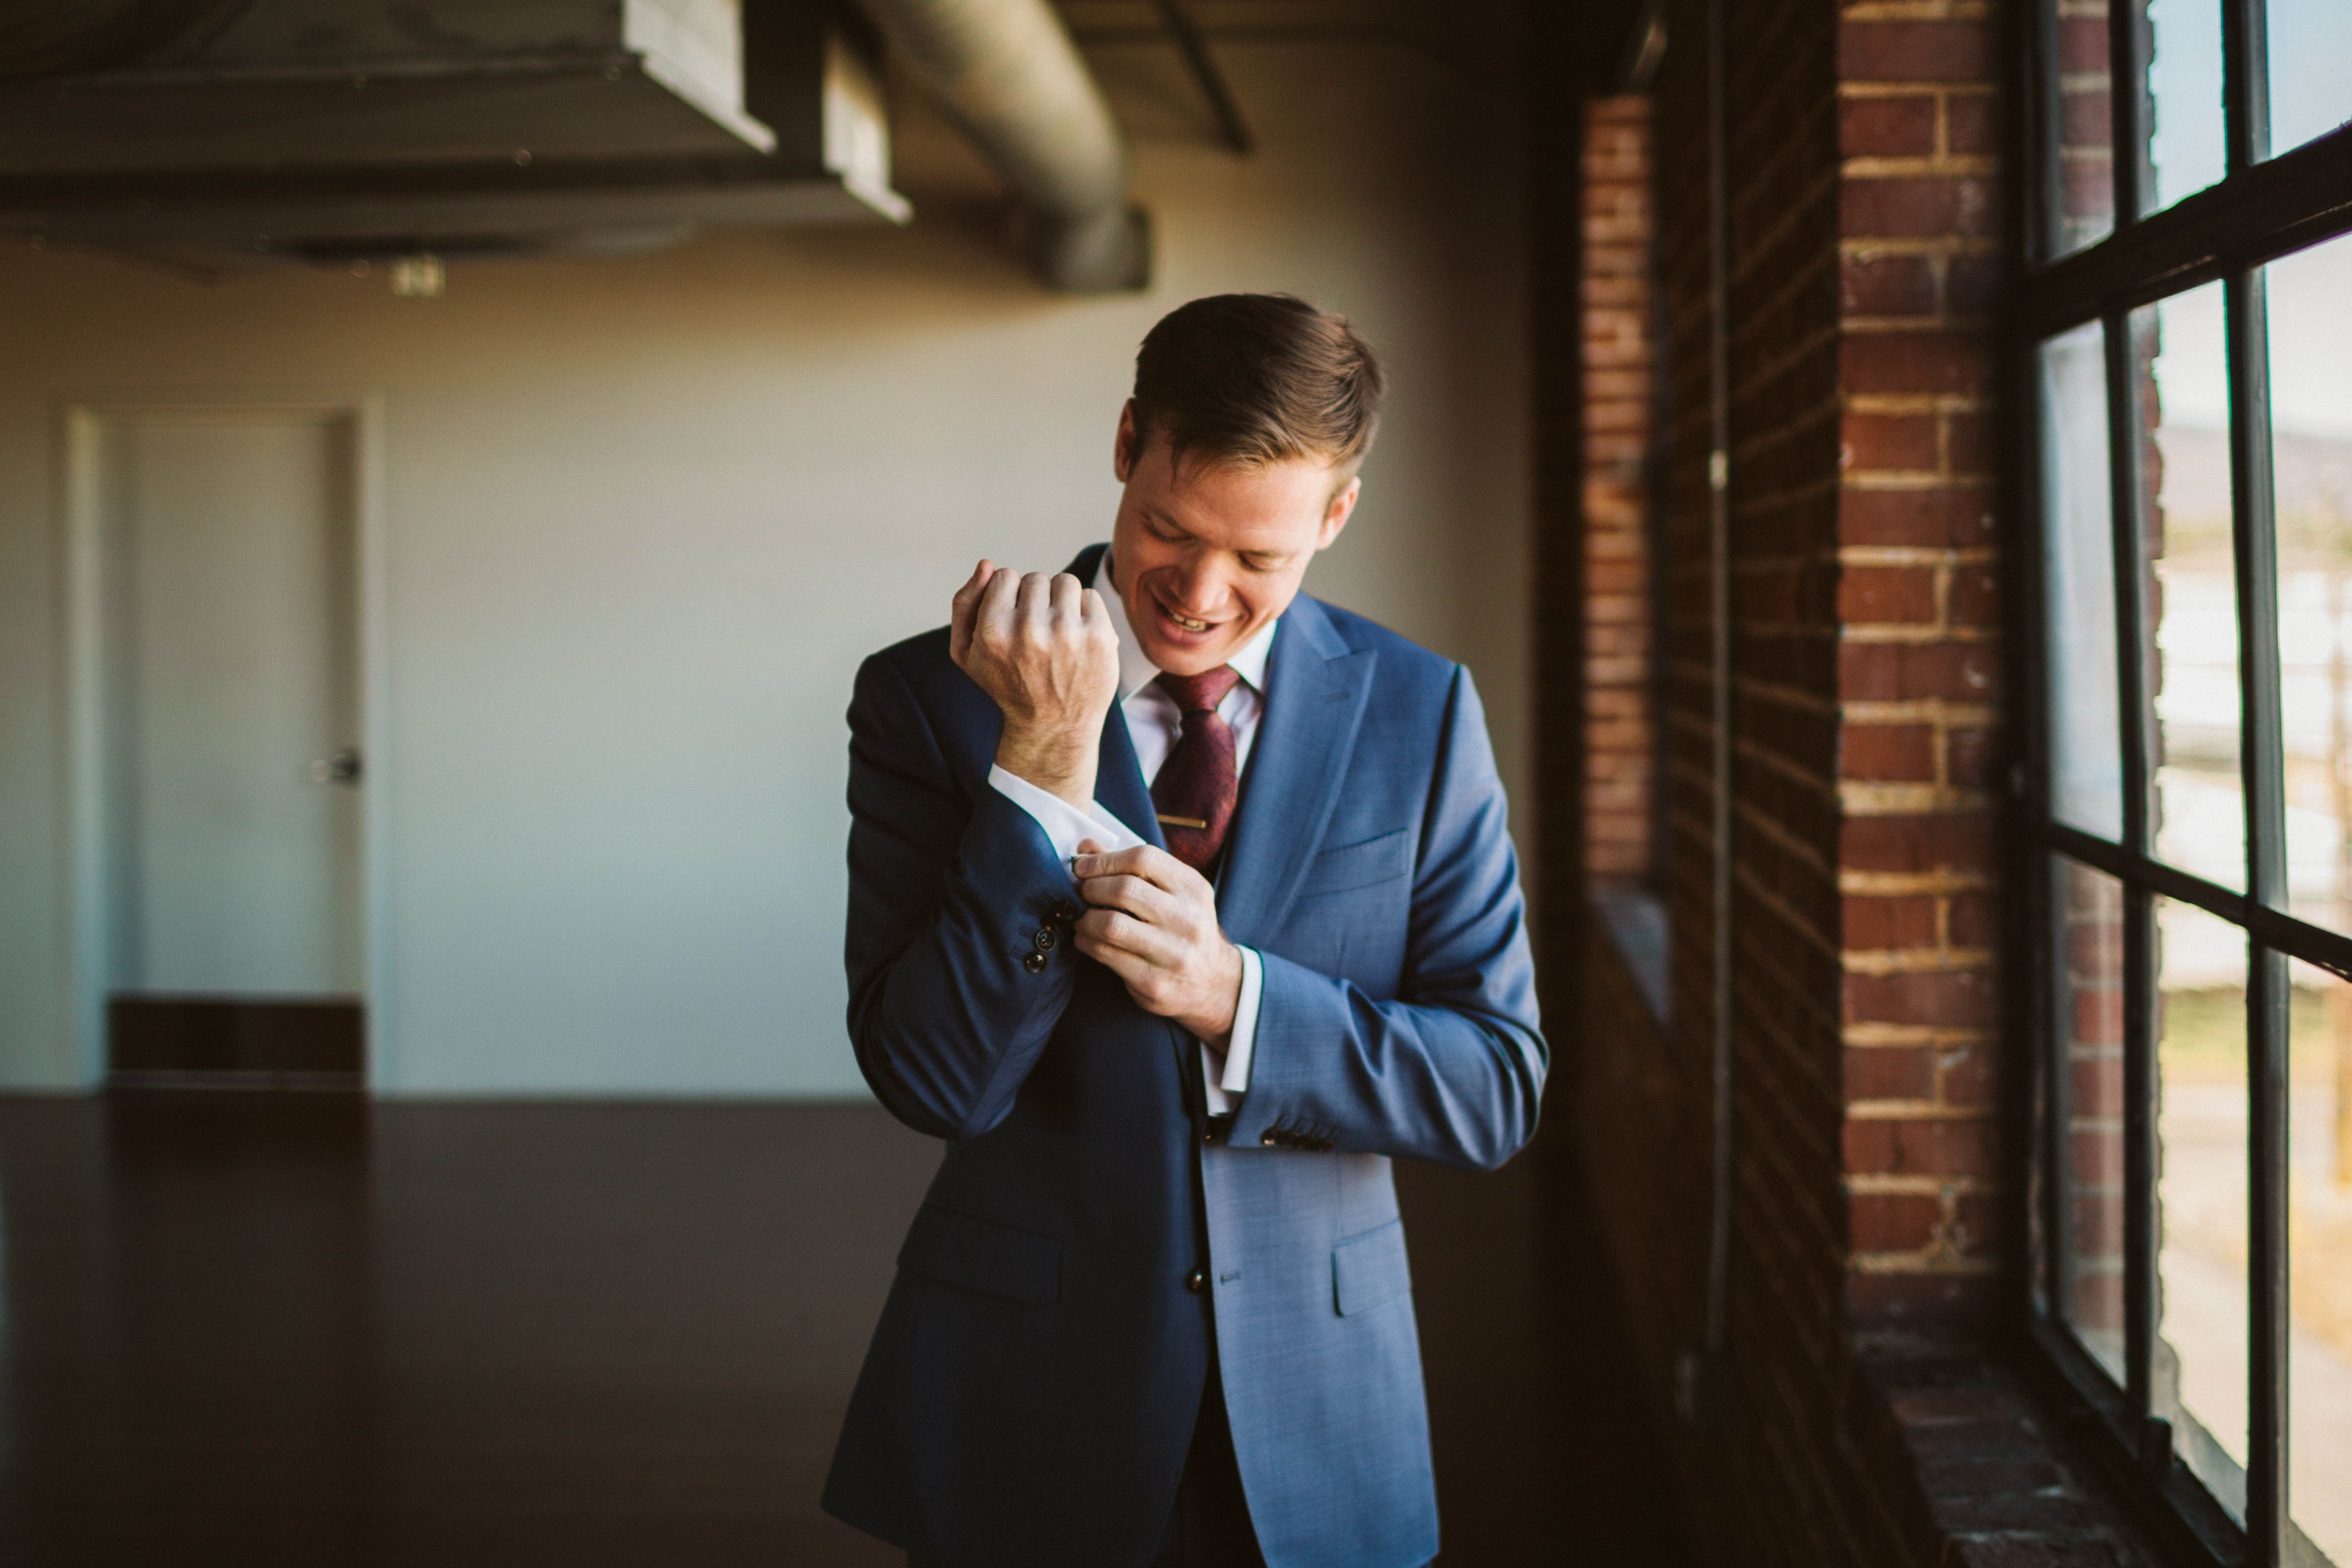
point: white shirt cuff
(1065, 823)
(1226, 1073)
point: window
(2186, 358)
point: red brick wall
(1866, 217)
(1621, 737)
(1783, 1484)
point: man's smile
(1192, 625)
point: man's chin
(1187, 662)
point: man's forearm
(948, 1027)
(1458, 1083)
(946, 894)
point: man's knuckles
(1102, 925)
(1120, 891)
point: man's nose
(1201, 591)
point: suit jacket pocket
(1360, 865)
(981, 1255)
(1371, 1268)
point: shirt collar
(1136, 672)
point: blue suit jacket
(1031, 1386)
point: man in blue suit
(1179, 903)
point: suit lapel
(1118, 781)
(1119, 788)
(1317, 688)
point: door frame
(79, 419)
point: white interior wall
(644, 517)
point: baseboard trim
(227, 1042)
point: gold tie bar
(1183, 821)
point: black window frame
(2262, 209)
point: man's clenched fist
(1043, 648)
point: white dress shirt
(1154, 724)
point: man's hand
(1153, 923)
(1043, 648)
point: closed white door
(232, 767)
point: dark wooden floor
(283, 1329)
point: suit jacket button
(1065, 911)
(1197, 1280)
(1269, 1140)
(1044, 939)
(1034, 963)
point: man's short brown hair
(1253, 379)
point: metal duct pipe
(1006, 72)
(41, 38)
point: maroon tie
(1194, 792)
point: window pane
(2185, 148)
(2311, 69)
(2202, 1349)
(2090, 1026)
(2319, 1249)
(2085, 749)
(2201, 823)
(2083, 197)
(2311, 412)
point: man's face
(1204, 558)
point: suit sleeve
(953, 992)
(1453, 1068)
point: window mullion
(2299, 198)
(2265, 762)
(2128, 108)
(2127, 528)
(2058, 1190)
(2045, 895)
(2126, 456)
(2316, 946)
(2040, 193)
(2245, 83)
(2139, 1153)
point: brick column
(1620, 733)
(1917, 661)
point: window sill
(1999, 1458)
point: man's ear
(1335, 517)
(1122, 446)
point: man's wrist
(1217, 1028)
(1056, 762)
